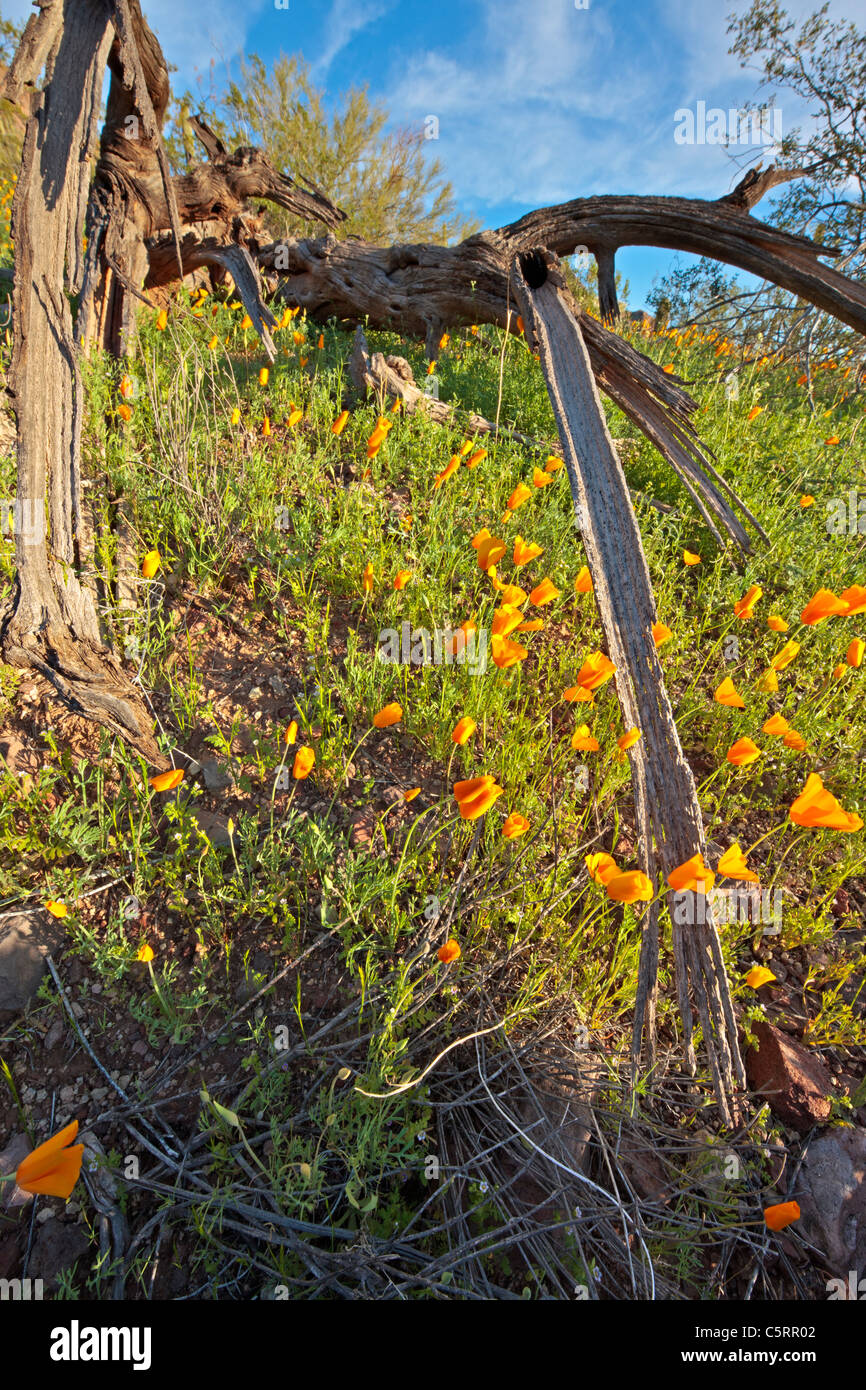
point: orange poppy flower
(411, 793)
(303, 764)
(53, 1168)
(367, 577)
(479, 538)
(263, 376)
(755, 412)
(776, 725)
(476, 795)
(465, 447)
(321, 343)
(162, 320)
(601, 867)
(692, 875)
(151, 563)
(807, 500)
(759, 975)
(524, 551)
(505, 518)
(661, 633)
(490, 551)
(768, 683)
(266, 427)
(506, 653)
(743, 752)
(543, 593)
(583, 582)
(463, 730)
(855, 599)
(823, 604)
(689, 558)
(776, 624)
(855, 652)
(125, 411)
(744, 606)
(534, 625)
(594, 672)
(291, 734)
(474, 459)
(834, 439)
(388, 715)
(512, 594)
(553, 464)
(785, 656)
(294, 417)
(780, 1215)
(377, 438)
(340, 423)
(145, 953)
(447, 472)
(628, 740)
(515, 825)
(449, 952)
(57, 909)
(520, 495)
(630, 887)
(235, 416)
(461, 637)
(505, 620)
(733, 865)
(540, 478)
(246, 322)
(727, 694)
(583, 741)
(401, 579)
(167, 781)
(794, 740)
(815, 808)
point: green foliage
(383, 179)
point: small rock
(278, 685)
(55, 1033)
(216, 778)
(793, 1081)
(831, 1190)
(57, 1247)
(99, 1093)
(26, 938)
(212, 824)
(256, 692)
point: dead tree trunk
(54, 627)
(665, 795)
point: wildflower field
(323, 993)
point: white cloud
(346, 19)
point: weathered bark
(135, 199)
(664, 788)
(54, 626)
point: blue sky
(537, 101)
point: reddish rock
(795, 1084)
